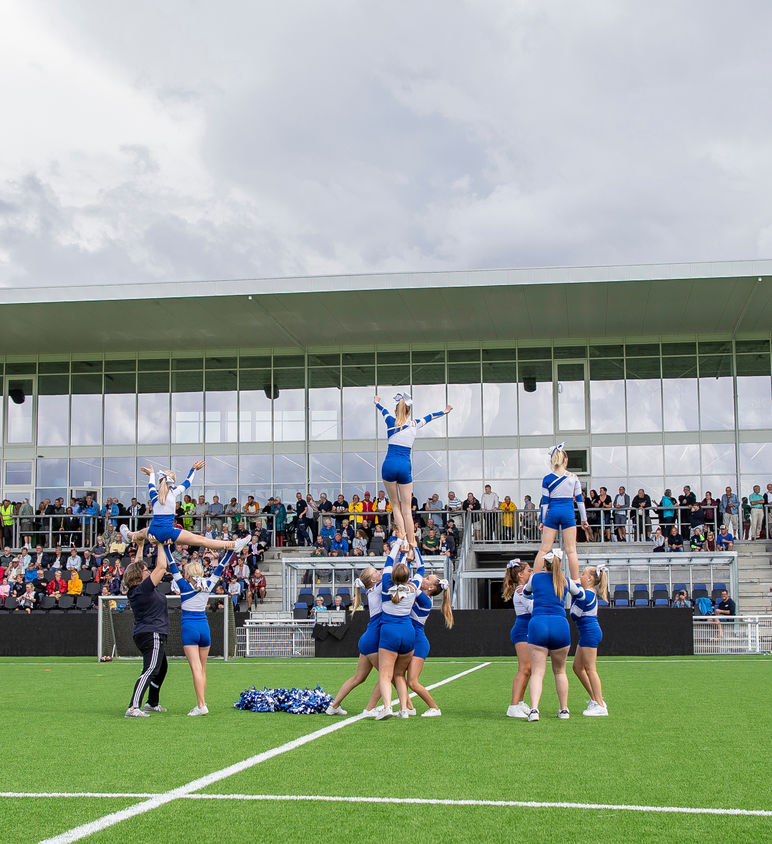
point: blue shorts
(397, 636)
(519, 631)
(549, 631)
(590, 634)
(195, 631)
(368, 641)
(421, 648)
(397, 466)
(162, 529)
(560, 514)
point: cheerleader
(370, 581)
(516, 577)
(164, 501)
(548, 630)
(559, 491)
(397, 469)
(431, 586)
(584, 609)
(397, 635)
(195, 590)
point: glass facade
(653, 414)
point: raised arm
(160, 569)
(437, 414)
(189, 480)
(151, 488)
(211, 581)
(390, 420)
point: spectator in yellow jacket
(508, 506)
(74, 584)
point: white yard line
(203, 782)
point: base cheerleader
(517, 575)
(397, 470)
(584, 611)
(161, 529)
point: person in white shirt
(74, 561)
(489, 504)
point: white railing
(735, 634)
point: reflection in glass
(152, 418)
(324, 410)
(499, 410)
(220, 418)
(535, 410)
(359, 466)
(289, 469)
(19, 416)
(682, 460)
(644, 460)
(644, 405)
(428, 398)
(534, 463)
(607, 407)
(465, 420)
(718, 458)
(18, 473)
(120, 472)
(221, 469)
(254, 416)
(124, 494)
(716, 404)
(754, 401)
(53, 419)
(187, 418)
(680, 404)
(756, 458)
(223, 491)
(359, 414)
(500, 463)
(52, 471)
(85, 471)
(430, 465)
(120, 418)
(325, 469)
(51, 493)
(465, 464)
(261, 492)
(571, 401)
(289, 415)
(608, 461)
(254, 469)
(86, 425)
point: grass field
(691, 733)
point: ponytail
(402, 413)
(553, 562)
(603, 584)
(163, 489)
(446, 609)
(558, 458)
(364, 581)
(400, 575)
(510, 583)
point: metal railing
(732, 634)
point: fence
(738, 634)
(279, 637)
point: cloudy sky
(201, 140)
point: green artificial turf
(681, 732)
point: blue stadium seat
(300, 611)
(306, 596)
(661, 602)
(602, 603)
(641, 602)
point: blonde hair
(511, 581)
(558, 578)
(402, 413)
(400, 575)
(445, 609)
(194, 570)
(600, 581)
(367, 578)
(558, 458)
(133, 575)
(164, 488)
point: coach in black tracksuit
(151, 627)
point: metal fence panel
(732, 634)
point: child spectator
(660, 543)
(5, 590)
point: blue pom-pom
(295, 701)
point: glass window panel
(187, 417)
(645, 460)
(360, 466)
(153, 418)
(54, 385)
(535, 410)
(124, 494)
(153, 382)
(679, 367)
(532, 487)
(534, 353)
(499, 354)
(463, 373)
(458, 355)
(465, 420)
(87, 366)
(185, 364)
(255, 362)
(499, 409)
(534, 462)
(52, 471)
(428, 373)
(122, 365)
(180, 465)
(19, 416)
(288, 379)
(261, 492)
(223, 491)
(716, 404)
(722, 347)
(51, 493)
(500, 463)
(568, 352)
(428, 399)
(682, 460)
(571, 403)
(326, 376)
(18, 472)
(612, 350)
(120, 418)
(756, 458)
(221, 380)
(86, 419)
(741, 346)
(607, 407)
(715, 366)
(607, 369)
(254, 415)
(362, 359)
(53, 419)
(220, 363)
(750, 364)
(718, 458)
(754, 401)
(431, 356)
(324, 360)
(386, 393)
(644, 405)
(157, 462)
(221, 469)
(359, 376)
(324, 410)
(85, 472)
(641, 349)
(325, 469)
(647, 368)
(289, 415)
(121, 382)
(388, 375)
(289, 469)
(679, 348)
(254, 469)
(221, 417)
(499, 373)
(465, 463)
(51, 366)
(122, 472)
(297, 361)
(153, 364)
(430, 465)
(609, 461)
(680, 404)
(359, 414)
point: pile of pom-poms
(295, 701)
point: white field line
(203, 782)
(320, 798)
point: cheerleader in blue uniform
(517, 575)
(559, 491)
(195, 590)
(548, 630)
(584, 610)
(164, 502)
(397, 468)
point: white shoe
(124, 531)
(198, 710)
(533, 715)
(518, 710)
(404, 713)
(564, 714)
(370, 713)
(385, 712)
(135, 712)
(241, 543)
(431, 713)
(411, 712)
(334, 710)
(148, 708)
(595, 710)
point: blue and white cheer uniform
(368, 641)
(548, 627)
(523, 608)
(418, 615)
(397, 464)
(584, 611)
(397, 631)
(161, 526)
(557, 501)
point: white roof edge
(386, 281)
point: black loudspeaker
(16, 394)
(271, 392)
(529, 385)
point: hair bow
(558, 447)
(405, 397)
(513, 563)
(358, 583)
(444, 585)
(162, 474)
(555, 554)
(599, 569)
